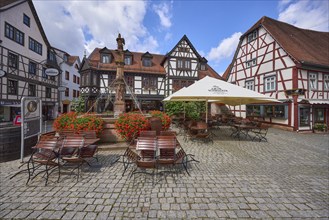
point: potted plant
(320, 127)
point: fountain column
(120, 86)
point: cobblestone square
(286, 177)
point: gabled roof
(136, 67)
(184, 38)
(306, 47)
(8, 4)
(72, 59)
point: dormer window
(147, 59)
(203, 64)
(65, 57)
(252, 36)
(128, 60)
(105, 58)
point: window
(183, 64)
(252, 36)
(183, 49)
(32, 90)
(147, 62)
(319, 115)
(52, 56)
(130, 81)
(44, 75)
(202, 66)
(48, 92)
(12, 87)
(65, 57)
(250, 85)
(14, 34)
(78, 93)
(67, 75)
(128, 60)
(250, 63)
(313, 81)
(253, 110)
(275, 111)
(67, 92)
(105, 58)
(149, 83)
(326, 82)
(178, 84)
(26, 20)
(187, 64)
(12, 60)
(270, 83)
(32, 68)
(74, 78)
(78, 80)
(272, 111)
(35, 46)
(74, 93)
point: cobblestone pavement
(286, 177)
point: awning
(319, 101)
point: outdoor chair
(44, 158)
(261, 132)
(70, 153)
(167, 146)
(147, 152)
(181, 158)
(147, 134)
(129, 157)
(168, 133)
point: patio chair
(147, 133)
(182, 158)
(167, 146)
(168, 133)
(261, 132)
(147, 160)
(44, 158)
(70, 152)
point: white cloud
(74, 26)
(225, 48)
(163, 10)
(306, 14)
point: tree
(78, 105)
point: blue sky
(213, 27)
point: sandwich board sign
(31, 119)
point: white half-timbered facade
(70, 79)
(149, 77)
(25, 53)
(287, 63)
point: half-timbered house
(288, 63)
(149, 77)
(25, 53)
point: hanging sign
(51, 72)
(2, 73)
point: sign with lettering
(51, 72)
(218, 90)
(2, 73)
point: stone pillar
(120, 86)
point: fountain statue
(119, 84)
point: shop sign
(51, 72)
(2, 73)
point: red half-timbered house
(288, 63)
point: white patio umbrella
(214, 90)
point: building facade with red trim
(287, 63)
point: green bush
(320, 127)
(193, 110)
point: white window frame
(252, 36)
(250, 84)
(251, 62)
(105, 58)
(270, 83)
(312, 81)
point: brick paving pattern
(286, 177)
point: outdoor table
(242, 129)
